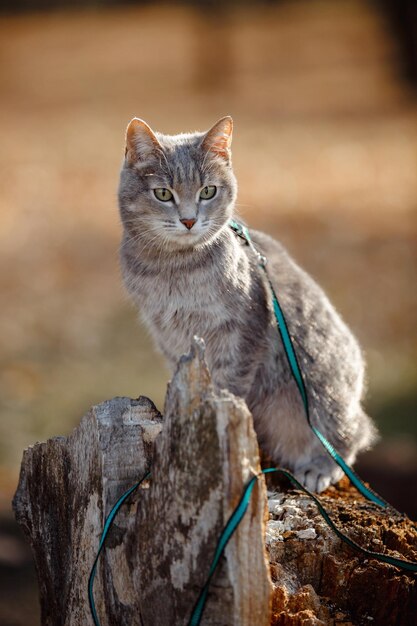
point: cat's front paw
(318, 474)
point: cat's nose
(188, 223)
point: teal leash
(107, 525)
(233, 522)
(240, 510)
(366, 491)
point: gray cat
(190, 274)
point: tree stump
(160, 547)
(161, 544)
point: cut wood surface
(161, 544)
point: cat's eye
(164, 195)
(208, 192)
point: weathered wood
(67, 486)
(205, 455)
(156, 560)
(159, 550)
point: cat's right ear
(141, 143)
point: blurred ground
(325, 151)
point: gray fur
(206, 282)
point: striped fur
(206, 282)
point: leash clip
(262, 260)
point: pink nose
(188, 223)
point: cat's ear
(219, 138)
(141, 143)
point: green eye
(208, 192)
(164, 195)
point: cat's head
(176, 191)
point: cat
(189, 274)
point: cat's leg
(285, 435)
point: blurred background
(323, 95)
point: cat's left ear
(219, 138)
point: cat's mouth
(188, 237)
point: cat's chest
(197, 299)
(179, 302)
(179, 308)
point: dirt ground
(325, 152)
